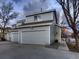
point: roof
(32, 26)
(37, 13)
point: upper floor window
(36, 17)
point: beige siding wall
(38, 35)
(42, 17)
(52, 38)
(29, 19)
(47, 16)
(57, 33)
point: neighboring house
(37, 28)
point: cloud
(1, 1)
(32, 5)
(35, 4)
(17, 1)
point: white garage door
(36, 37)
(8, 36)
(15, 37)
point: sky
(31, 5)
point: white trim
(11, 36)
(18, 36)
(36, 24)
(34, 30)
(21, 36)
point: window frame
(37, 17)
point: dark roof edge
(32, 26)
(41, 13)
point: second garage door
(36, 37)
(15, 36)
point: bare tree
(6, 14)
(71, 11)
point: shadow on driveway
(10, 50)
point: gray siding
(43, 17)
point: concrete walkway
(10, 50)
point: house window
(37, 17)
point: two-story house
(37, 28)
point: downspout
(56, 19)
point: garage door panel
(36, 37)
(15, 36)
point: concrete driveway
(10, 50)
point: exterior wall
(36, 28)
(37, 24)
(18, 24)
(38, 35)
(47, 16)
(43, 17)
(29, 19)
(57, 33)
(52, 38)
(14, 36)
(8, 36)
(19, 36)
